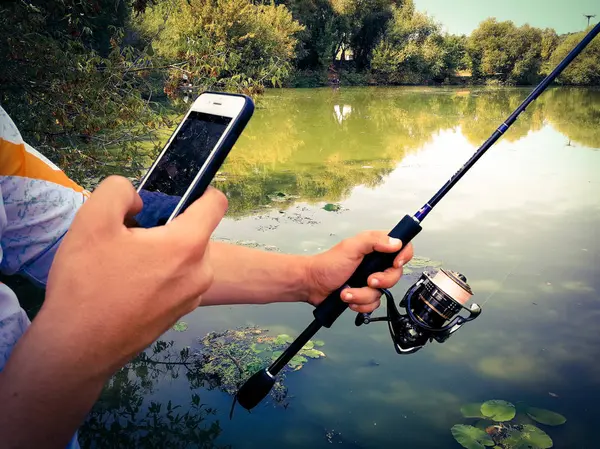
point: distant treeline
(87, 80)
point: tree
(503, 51)
(71, 85)
(585, 69)
(413, 49)
(230, 44)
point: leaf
(180, 326)
(319, 343)
(329, 207)
(484, 424)
(283, 339)
(547, 417)
(308, 345)
(533, 437)
(498, 410)
(471, 437)
(313, 353)
(472, 410)
(259, 347)
(297, 361)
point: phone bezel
(230, 106)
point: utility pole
(589, 16)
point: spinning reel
(431, 306)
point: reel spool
(432, 305)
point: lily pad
(329, 207)
(498, 410)
(547, 417)
(471, 437)
(309, 345)
(283, 339)
(313, 353)
(180, 326)
(297, 362)
(533, 437)
(259, 347)
(472, 410)
(319, 343)
(484, 424)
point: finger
(369, 241)
(404, 256)
(368, 308)
(385, 279)
(112, 201)
(201, 218)
(360, 296)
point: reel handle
(332, 307)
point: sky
(463, 16)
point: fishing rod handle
(332, 307)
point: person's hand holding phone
(131, 284)
(112, 290)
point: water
(522, 225)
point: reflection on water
(319, 144)
(522, 226)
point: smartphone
(192, 156)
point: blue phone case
(222, 150)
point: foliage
(498, 410)
(585, 69)
(509, 53)
(505, 426)
(471, 437)
(231, 44)
(545, 416)
(180, 326)
(414, 50)
(67, 81)
(227, 359)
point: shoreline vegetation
(94, 84)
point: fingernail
(399, 263)
(375, 282)
(394, 241)
(348, 296)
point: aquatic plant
(503, 425)
(226, 359)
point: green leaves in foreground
(529, 437)
(471, 437)
(505, 425)
(472, 410)
(180, 326)
(546, 416)
(498, 410)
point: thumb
(369, 241)
(110, 204)
(201, 217)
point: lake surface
(522, 225)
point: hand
(329, 270)
(129, 285)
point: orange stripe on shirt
(15, 160)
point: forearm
(48, 386)
(250, 276)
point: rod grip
(332, 307)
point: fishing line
(432, 305)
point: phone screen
(179, 165)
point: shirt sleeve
(39, 204)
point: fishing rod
(430, 303)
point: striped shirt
(38, 202)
